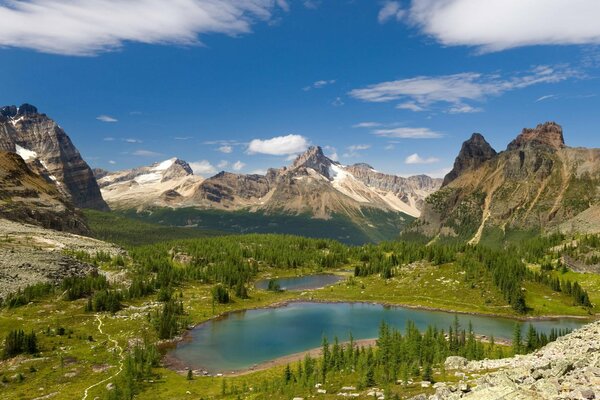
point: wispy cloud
(319, 84)
(203, 168)
(279, 145)
(132, 140)
(103, 117)
(368, 124)
(222, 164)
(84, 28)
(391, 10)
(338, 102)
(312, 4)
(546, 97)
(227, 149)
(146, 153)
(454, 91)
(417, 159)
(354, 150)
(112, 162)
(238, 165)
(183, 137)
(495, 25)
(109, 139)
(408, 133)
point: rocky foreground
(30, 254)
(568, 368)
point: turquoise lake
(306, 282)
(242, 339)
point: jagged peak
(313, 158)
(473, 153)
(548, 134)
(14, 111)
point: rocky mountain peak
(48, 151)
(313, 158)
(548, 134)
(175, 168)
(362, 166)
(473, 153)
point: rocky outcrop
(315, 159)
(48, 151)
(412, 190)
(227, 190)
(473, 153)
(27, 197)
(568, 368)
(30, 254)
(548, 134)
(537, 184)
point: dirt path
(85, 393)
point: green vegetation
(353, 230)
(87, 327)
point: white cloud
(312, 4)
(146, 153)
(182, 137)
(225, 149)
(421, 92)
(495, 25)
(390, 10)
(410, 105)
(417, 159)
(331, 152)
(279, 145)
(319, 84)
(238, 165)
(203, 168)
(463, 109)
(222, 164)
(112, 162)
(89, 27)
(258, 172)
(353, 150)
(358, 147)
(408, 133)
(132, 140)
(389, 147)
(546, 97)
(366, 125)
(103, 118)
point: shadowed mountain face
(538, 183)
(27, 197)
(48, 151)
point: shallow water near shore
(307, 282)
(242, 339)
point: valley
(314, 279)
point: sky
(245, 85)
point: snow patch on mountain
(25, 153)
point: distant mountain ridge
(537, 184)
(49, 152)
(312, 184)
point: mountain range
(538, 184)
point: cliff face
(538, 183)
(48, 151)
(473, 153)
(27, 197)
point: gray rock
(455, 362)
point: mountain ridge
(536, 184)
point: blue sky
(244, 85)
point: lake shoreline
(175, 364)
